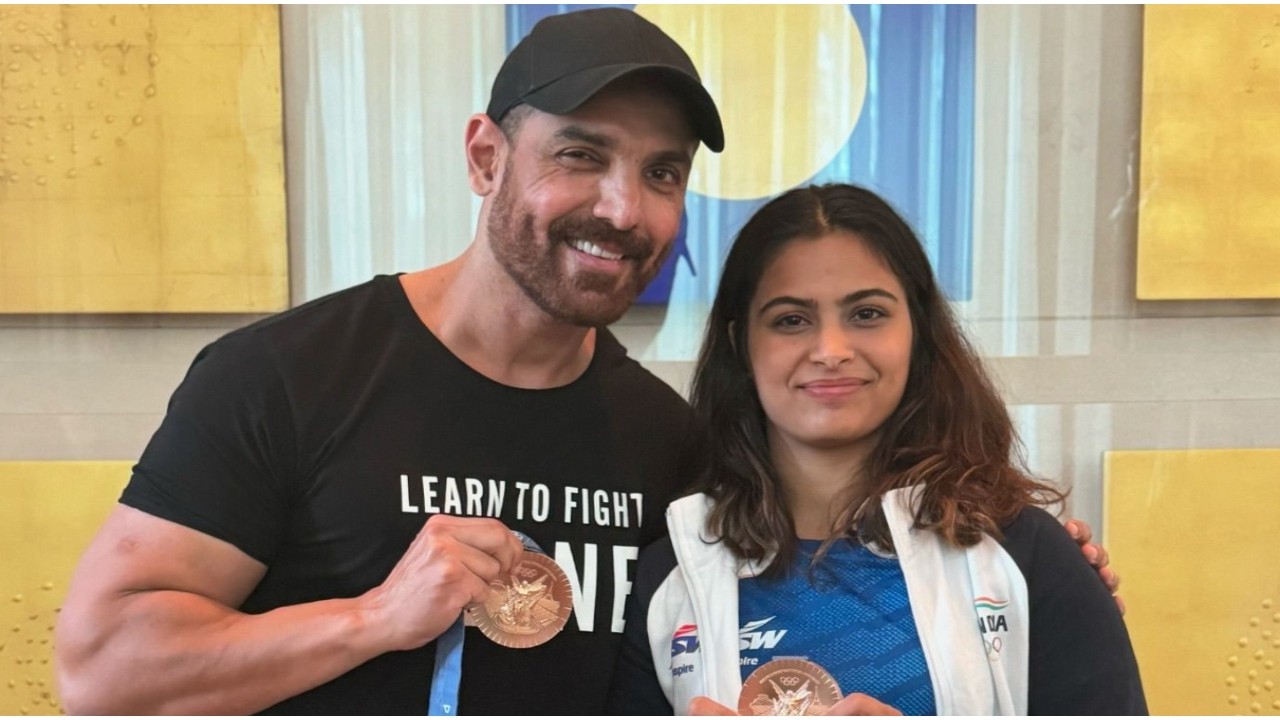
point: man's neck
(484, 319)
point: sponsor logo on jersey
(752, 637)
(684, 640)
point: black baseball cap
(566, 59)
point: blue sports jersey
(850, 615)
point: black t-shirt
(319, 441)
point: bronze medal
(529, 608)
(788, 687)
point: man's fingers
(1080, 531)
(1111, 578)
(479, 563)
(1097, 556)
(485, 534)
(459, 587)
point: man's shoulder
(352, 307)
(627, 376)
(336, 332)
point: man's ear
(486, 147)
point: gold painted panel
(141, 159)
(1209, 216)
(1194, 533)
(49, 511)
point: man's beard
(586, 299)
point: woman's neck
(819, 483)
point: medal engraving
(529, 607)
(788, 687)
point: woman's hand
(703, 705)
(855, 704)
(860, 704)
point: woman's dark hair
(950, 434)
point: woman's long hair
(950, 434)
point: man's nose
(620, 200)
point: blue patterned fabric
(851, 616)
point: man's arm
(150, 625)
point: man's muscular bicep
(137, 552)
(140, 585)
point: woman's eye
(868, 314)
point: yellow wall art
(1209, 213)
(1193, 534)
(48, 513)
(141, 159)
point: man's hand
(1097, 557)
(448, 567)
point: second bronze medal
(788, 687)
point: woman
(865, 505)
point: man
(270, 551)
(332, 486)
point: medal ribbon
(447, 675)
(448, 672)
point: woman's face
(829, 339)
